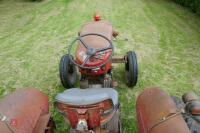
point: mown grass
(165, 36)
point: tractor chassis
(100, 81)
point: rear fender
(152, 106)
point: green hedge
(194, 5)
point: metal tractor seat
(76, 96)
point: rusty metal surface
(4, 128)
(42, 124)
(25, 106)
(95, 114)
(118, 59)
(154, 105)
(99, 27)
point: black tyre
(193, 122)
(68, 72)
(131, 68)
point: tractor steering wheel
(90, 52)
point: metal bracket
(119, 59)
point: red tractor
(92, 52)
(94, 107)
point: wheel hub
(91, 51)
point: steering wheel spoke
(86, 60)
(90, 51)
(83, 42)
(103, 49)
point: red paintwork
(99, 27)
(97, 17)
(13, 122)
(24, 107)
(152, 105)
(94, 72)
(91, 113)
(92, 116)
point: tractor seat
(76, 96)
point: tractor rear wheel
(68, 72)
(131, 68)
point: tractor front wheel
(131, 68)
(68, 72)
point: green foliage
(194, 5)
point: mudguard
(157, 113)
(24, 111)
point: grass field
(165, 36)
